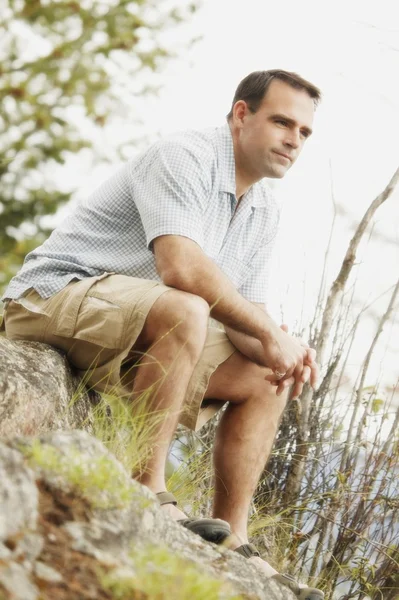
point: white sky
(350, 49)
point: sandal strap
(302, 593)
(247, 550)
(166, 498)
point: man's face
(270, 140)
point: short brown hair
(252, 89)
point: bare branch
(347, 264)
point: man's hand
(294, 363)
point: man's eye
(281, 122)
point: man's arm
(183, 265)
(247, 344)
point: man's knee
(239, 379)
(180, 318)
(191, 315)
(263, 391)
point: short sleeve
(170, 187)
(256, 286)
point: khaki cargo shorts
(96, 322)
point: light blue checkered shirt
(182, 185)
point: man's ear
(240, 110)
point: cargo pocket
(26, 318)
(85, 317)
(99, 322)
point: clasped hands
(291, 360)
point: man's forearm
(247, 345)
(198, 274)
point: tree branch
(347, 264)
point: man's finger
(310, 356)
(283, 385)
(297, 390)
(281, 373)
(314, 374)
(276, 379)
(298, 371)
(306, 373)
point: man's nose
(293, 139)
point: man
(183, 232)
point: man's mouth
(284, 155)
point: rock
(18, 495)
(99, 534)
(47, 573)
(16, 583)
(38, 391)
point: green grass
(191, 482)
(163, 576)
(127, 429)
(98, 479)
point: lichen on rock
(69, 534)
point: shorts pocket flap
(66, 320)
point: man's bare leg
(172, 338)
(243, 441)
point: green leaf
(376, 405)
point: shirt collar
(259, 194)
(226, 164)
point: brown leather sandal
(303, 593)
(211, 530)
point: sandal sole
(211, 530)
